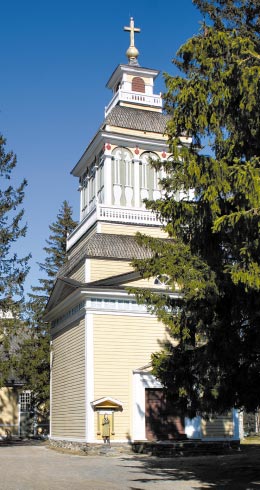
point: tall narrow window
(25, 401)
(123, 177)
(84, 191)
(101, 182)
(123, 171)
(148, 174)
(117, 161)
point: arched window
(123, 176)
(138, 85)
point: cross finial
(132, 30)
(132, 52)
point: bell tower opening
(138, 85)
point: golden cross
(132, 30)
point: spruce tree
(211, 207)
(34, 362)
(55, 250)
(13, 268)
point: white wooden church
(102, 339)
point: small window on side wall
(162, 280)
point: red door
(161, 421)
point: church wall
(78, 273)
(142, 283)
(218, 427)
(144, 108)
(148, 135)
(147, 80)
(121, 344)
(102, 268)
(9, 411)
(68, 382)
(121, 229)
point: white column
(136, 184)
(81, 202)
(96, 183)
(88, 196)
(107, 180)
(89, 376)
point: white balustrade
(126, 215)
(112, 214)
(134, 97)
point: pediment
(63, 287)
(107, 402)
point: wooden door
(162, 422)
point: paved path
(40, 468)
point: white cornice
(131, 69)
(147, 143)
(97, 143)
(94, 147)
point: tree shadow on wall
(162, 420)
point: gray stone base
(89, 449)
(185, 448)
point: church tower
(114, 172)
(102, 387)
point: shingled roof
(105, 245)
(143, 120)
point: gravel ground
(31, 467)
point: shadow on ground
(14, 442)
(240, 471)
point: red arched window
(138, 85)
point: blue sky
(56, 59)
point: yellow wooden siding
(145, 134)
(143, 283)
(144, 108)
(148, 283)
(100, 269)
(68, 383)
(78, 273)
(122, 344)
(9, 398)
(218, 427)
(121, 229)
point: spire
(132, 52)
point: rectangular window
(25, 400)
